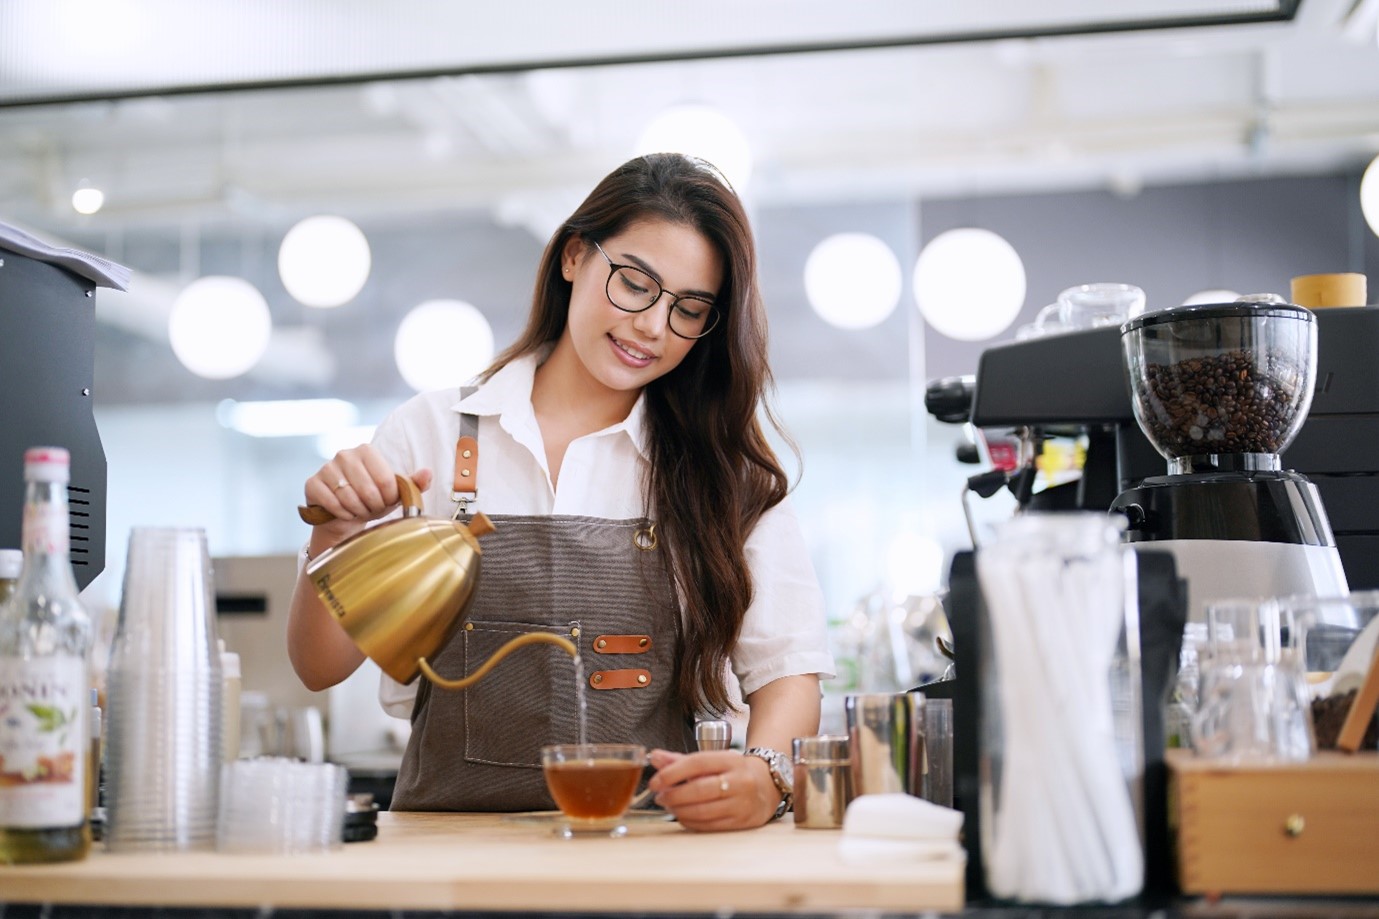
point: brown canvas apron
(582, 577)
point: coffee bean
(1222, 403)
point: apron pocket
(525, 702)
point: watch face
(787, 771)
(782, 771)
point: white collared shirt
(784, 632)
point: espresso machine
(1083, 385)
(1079, 385)
(1220, 391)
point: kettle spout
(530, 638)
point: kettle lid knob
(479, 524)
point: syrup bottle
(45, 637)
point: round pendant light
(324, 261)
(702, 131)
(852, 280)
(969, 283)
(442, 343)
(1369, 195)
(219, 326)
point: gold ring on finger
(723, 785)
(343, 483)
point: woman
(638, 508)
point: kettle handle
(316, 515)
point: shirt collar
(510, 386)
(508, 393)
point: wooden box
(1305, 828)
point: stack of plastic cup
(163, 697)
(281, 806)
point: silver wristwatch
(782, 774)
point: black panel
(47, 350)
(241, 604)
(1077, 378)
(1347, 373)
(1360, 559)
(1335, 444)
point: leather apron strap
(464, 489)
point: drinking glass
(1253, 712)
(593, 784)
(1253, 701)
(163, 745)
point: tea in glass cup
(593, 784)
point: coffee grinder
(1220, 391)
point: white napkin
(898, 827)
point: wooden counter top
(487, 862)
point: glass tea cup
(1253, 712)
(1252, 695)
(593, 784)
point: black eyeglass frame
(613, 268)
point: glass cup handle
(644, 795)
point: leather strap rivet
(596, 678)
(643, 642)
(467, 454)
(469, 626)
(465, 473)
(602, 644)
(574, 633)
(641, 678)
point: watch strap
(777, 762)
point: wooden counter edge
(358, 881)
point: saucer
(568, 827)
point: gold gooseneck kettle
(400, 588)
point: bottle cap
(47, 464)
(11, 563)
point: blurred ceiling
(228, 121)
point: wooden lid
(1321, 290)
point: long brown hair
(712, 472)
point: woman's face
(626, 351)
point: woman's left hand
(714, 790)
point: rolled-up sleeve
(785, 631)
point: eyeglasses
(632, 290)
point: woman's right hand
(357, 485)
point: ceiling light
(702, 131)
(287, 417)
(219, 326)
(442, 343)
(1369, 195)
(852, 280)
(969, 284)
(324, 261)
(87, 200)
